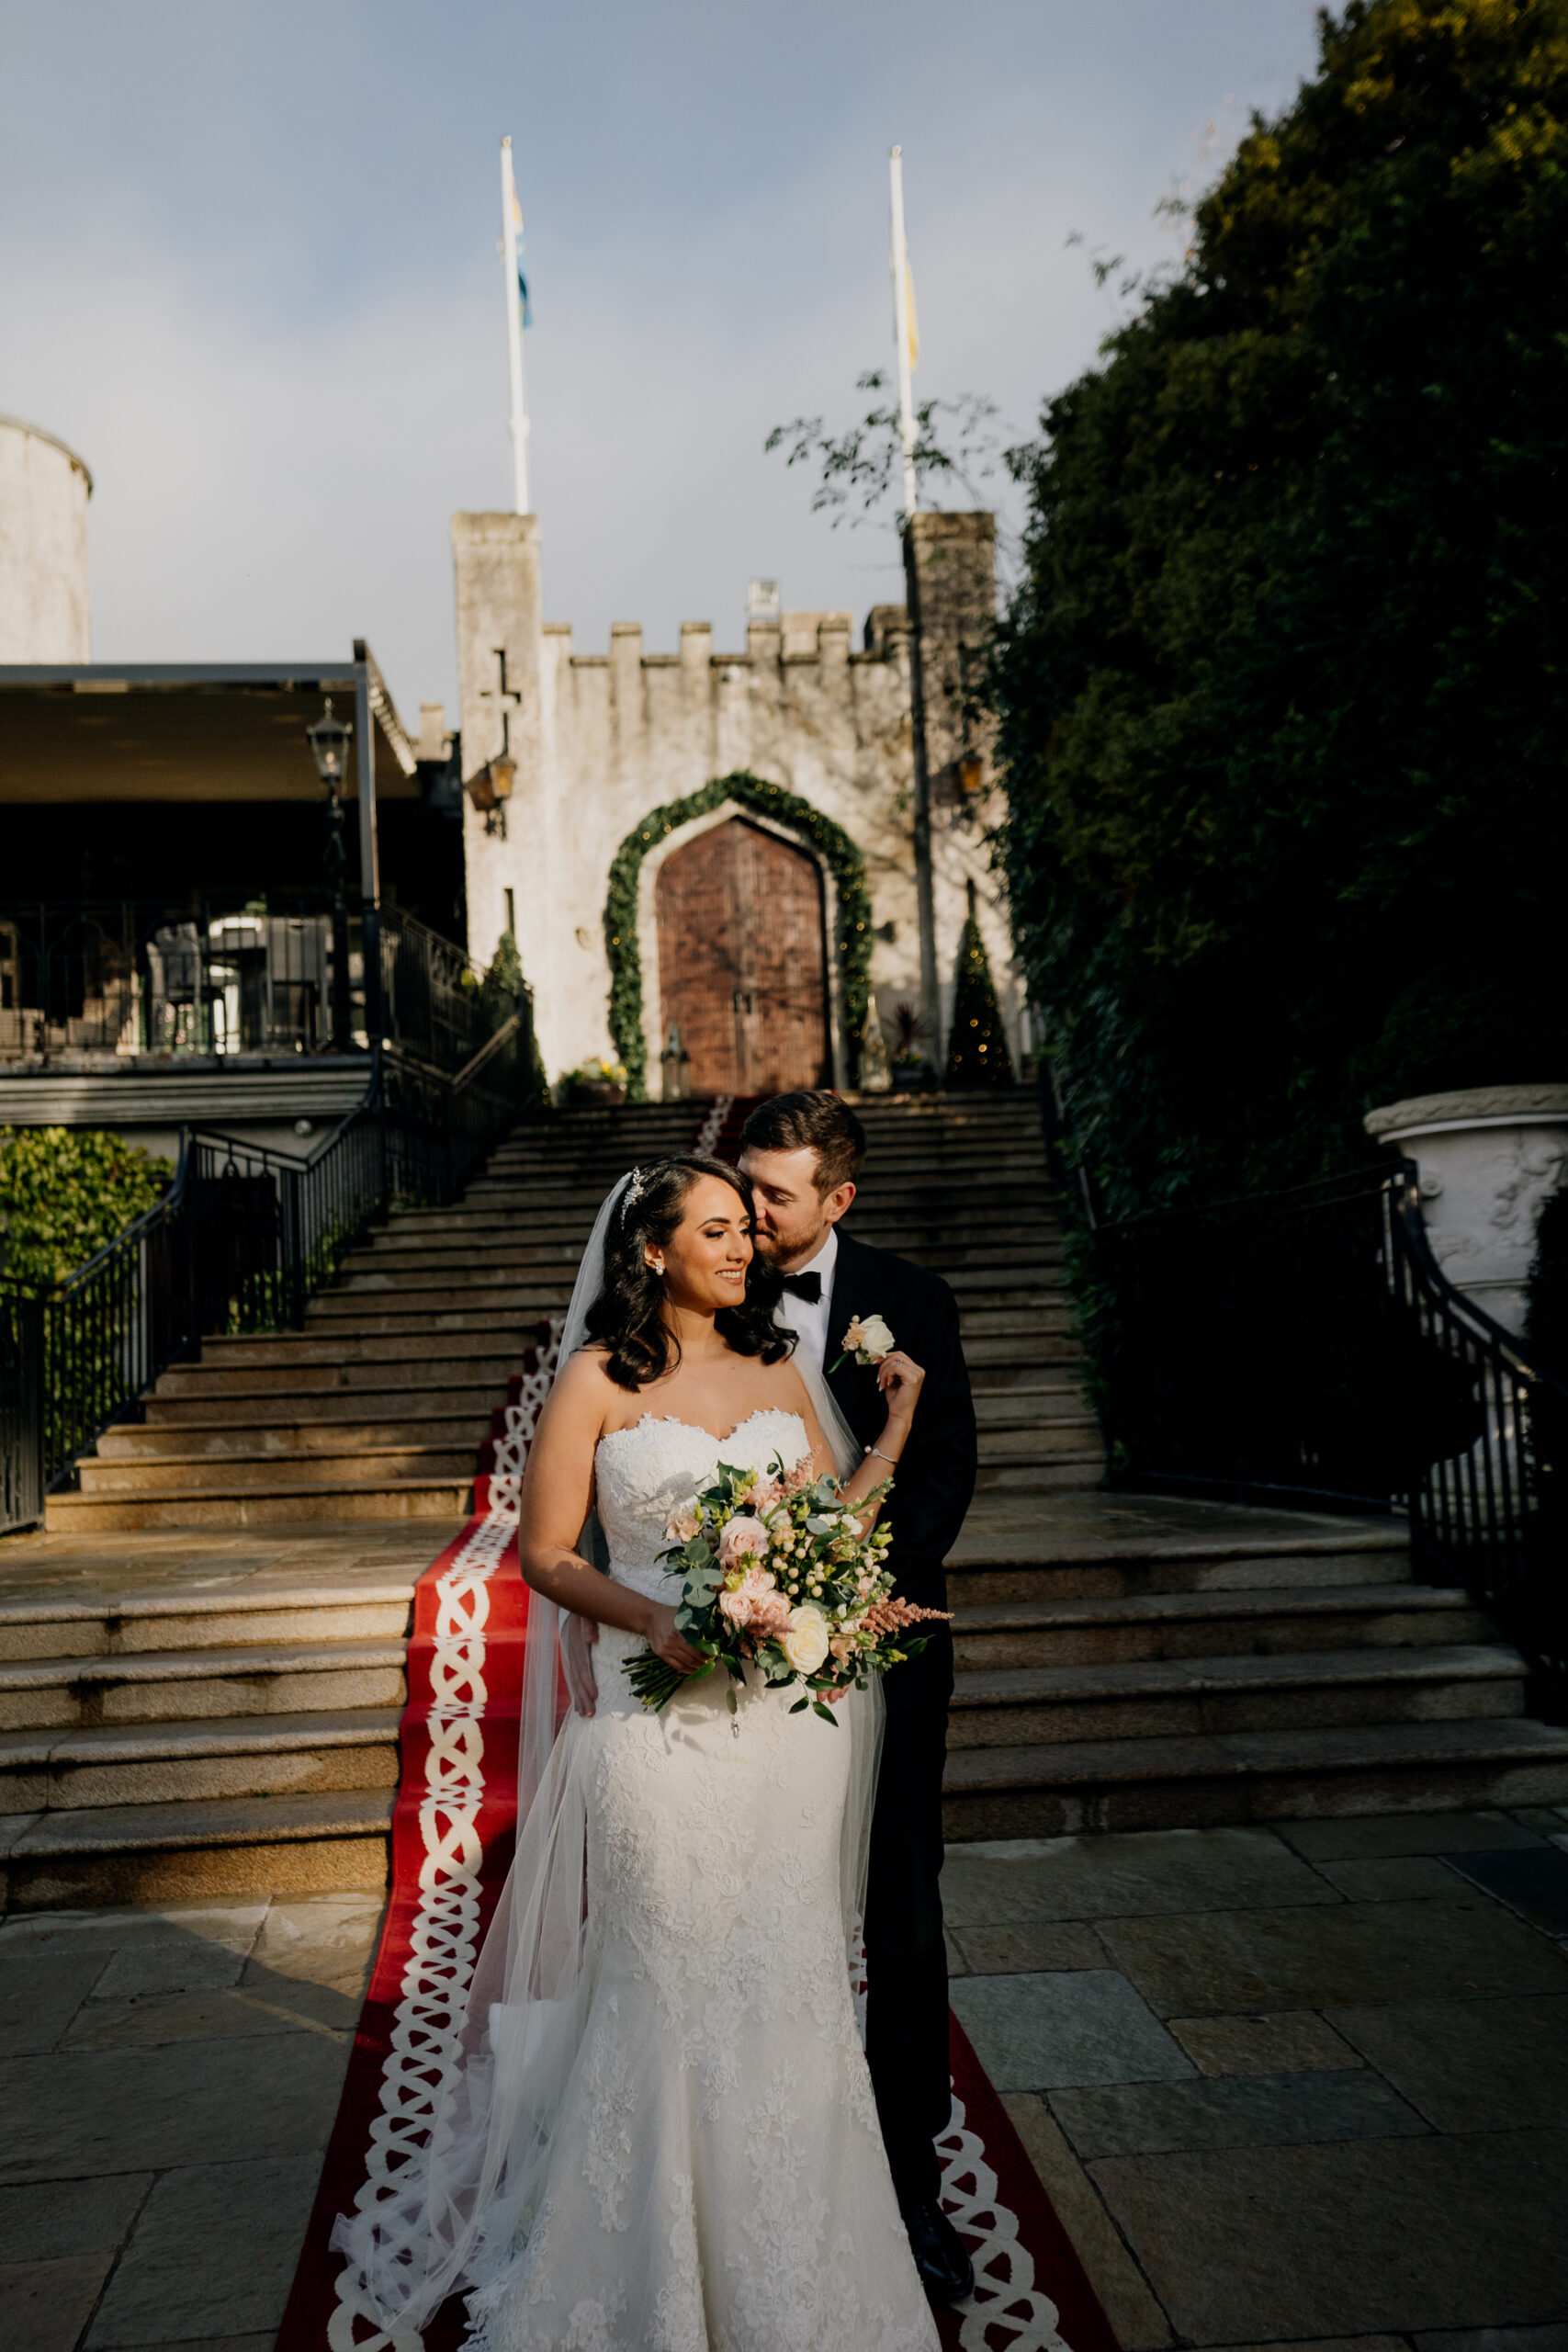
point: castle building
(725, 845)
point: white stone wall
(45, 613)
(612, 736)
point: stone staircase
(960, 1184)
(1123, 1662)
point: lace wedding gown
(714, 2179)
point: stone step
(999, 1570)
(239, 1756)
(284, 1504)
(279, 1433)
(993, 1357)
(253, 1471)
(1042, 1437)
(1179, 1698)
(506, 1313)
(170, 1686)
(1051, 1474)
(1019, 1375)
(266, 1408)
(572, 1144)
(593, 1177)
(503, 1304)
(335, 1351)
(230, 1845)
(1032, 1313)
(1213, 1624)
(1206, 1781)
(1040, 1405)
(61, 1627)
(364, 1304)
(562, 1209)
(329, 1372)
(464, 1263)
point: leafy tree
(862, 468)
(1281, 695)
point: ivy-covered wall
(64, 1191)
(838, 853)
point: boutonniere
(868, 1340)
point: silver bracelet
(892, 1465)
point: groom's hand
(578, 1636)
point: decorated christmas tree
(977, 1047)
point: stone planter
(1489, 1157)
(597, 1091)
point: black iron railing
(239, 1243)
(1490, 1514)
(220, 975)
(1304, 1349)
(112, 1327)
(21, 1410)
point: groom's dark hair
(811, 1120)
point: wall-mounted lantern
(328, 741)
(490, 789)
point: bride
(659, 2133)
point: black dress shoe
(947, 2272)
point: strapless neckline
(699, 1428)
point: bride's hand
(667, 1644)
(899, 1377)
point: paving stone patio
(1301, 2084)
(167, 2081)
(1288, 2086)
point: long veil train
(474, 2188)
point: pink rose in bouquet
(743, 1537)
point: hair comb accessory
(634, 1190)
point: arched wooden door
(742, 961)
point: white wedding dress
(656, 2131)
(716, 2180)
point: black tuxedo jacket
(935, 1478)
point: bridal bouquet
(778, 1576)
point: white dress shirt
(806, 1320)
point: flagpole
(900, 264)
(519, 420)
(925, 896)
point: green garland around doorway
(841, 857)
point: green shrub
(64, 1191)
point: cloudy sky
(248, 269)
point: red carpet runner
(452, 1833)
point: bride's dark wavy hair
(627, 1316)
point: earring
(658, 1269)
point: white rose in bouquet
(805, 1640)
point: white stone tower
(45, 612)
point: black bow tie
(806, 1286)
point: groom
(801, 1153)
